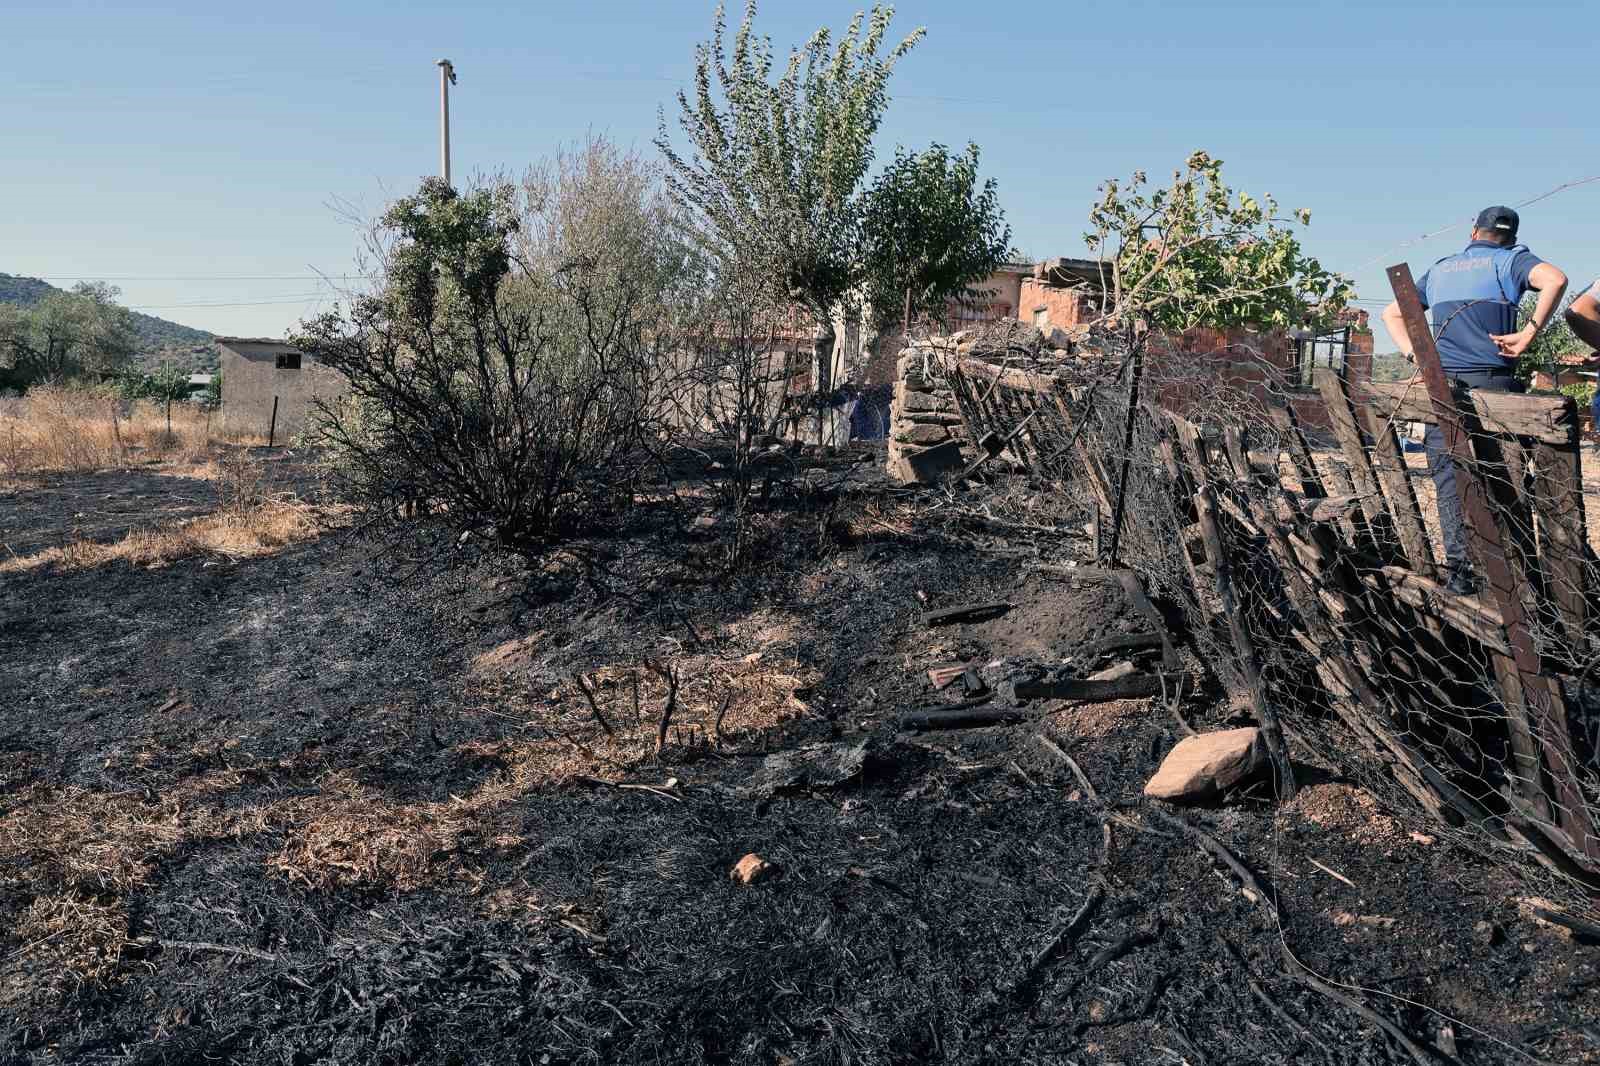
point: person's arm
(1584, 318)
(1551, 284)
(1395, 323)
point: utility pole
(447, 78)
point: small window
(1041, 317)
(289, 361)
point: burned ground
(340, 804)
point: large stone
(1201, 768)
(923, 465)
(909, 363)
(922, 400)
(912, 433)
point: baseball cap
(1500, 219)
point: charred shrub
(500, 378)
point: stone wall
(925, 430)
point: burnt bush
(502, 374)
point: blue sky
(193, 153)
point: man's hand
(1512, 345)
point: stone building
(261, 376)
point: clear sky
(194, 153)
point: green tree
(212, 398)
(1196, 252)
(82, 333)
(929, 230)
(773, 170)
(1554, 341)
(170, 382)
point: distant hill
(159, 339)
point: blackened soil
(219, 721)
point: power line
(316, 296)
(1458, 221)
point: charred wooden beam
(1133, 687)
(922, 721)
(1545, 418)
(966, 612)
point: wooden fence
(1321, 563)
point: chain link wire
(1442, 704)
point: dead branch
(594, 705)
(1251, 886)
(669, 674)
(722, 712)
(1310, 980)
(1088, 790)
(221, 949)
(1060, 942)
(1268, 1002)
(1175, 704)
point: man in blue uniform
(1584, 318)
(1473, 296)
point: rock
(752, 869)
(1202, 767)
(906, 400)
(923, 465)
(961, 336)
(909, 363)
(1114, 673)
(704, 522)
(1487, 933)
(924, 435)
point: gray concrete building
(256, 372)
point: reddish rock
(752, 869)
(1202, 767)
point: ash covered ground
(346, 804)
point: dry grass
(258, 530)
(55, 429)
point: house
(268, 386)
(1067, 293)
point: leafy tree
(1554, 341)
(773, 171)
(929, 231)
(212, 397)
(1197, 253)
(167, 384)
(82, 333)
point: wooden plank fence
(1403, 663)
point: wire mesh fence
(1301, 535)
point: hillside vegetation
(156, 340)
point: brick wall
(1062, 307)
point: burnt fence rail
(1311, 577)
